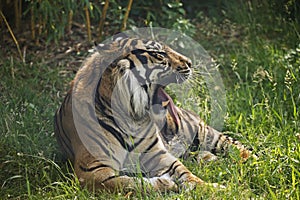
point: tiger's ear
(102, 47)
(113, 43)
(119, 36)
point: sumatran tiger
(121, 130)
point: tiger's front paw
(191, 183)
(163, 184)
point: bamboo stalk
(32, 21)
(1, 20)
(70, 21)
(126, 15)
(12, 35)
(88, 23)
(102, 20)
(40, 23)
(18, 13)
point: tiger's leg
(186, 181)
(200, 137)
(174, 170)
(211, 140)
(180, 174)
(101, 177)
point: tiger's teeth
(165, 103)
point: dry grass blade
(126, 15)
(13, 36)
(102, 20)
(88, 23)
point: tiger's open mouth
(167, 102)
(162, 98)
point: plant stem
(12, 35)
(126, 15)
(102, 20)
(70, 20)
(88, 23)
(18, 13)
(32, 21)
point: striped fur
(138, 134)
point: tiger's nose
(186, 63)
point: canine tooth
(165, 103)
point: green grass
(261, 71)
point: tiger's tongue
(168, 102)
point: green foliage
(168, 14)
(157, 13)
(51, 18)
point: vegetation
(255, 43)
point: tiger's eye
(159, 57)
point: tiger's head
(135, 81)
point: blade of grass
(13, 36)
(32, 21)
(27, 183)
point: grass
(261, 71)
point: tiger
(121, 130)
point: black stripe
(171, 167)
(183, 173)
(162, 73)
(65, 102)
(189, 127)
(156, 53)
(134, 174)
(123, 41)
(150, 159)
(145, 88)
(114, 132)
(61, 135)
(85, 169)
(143, 59)
(103, 146)
(109, 178)
(138, 51)
(133, 68)
(132, 64)
(152, 145)
(196, 143)
(137, 143)
(214, 148)
(102, 107)
(60, 125)
(67, 149)
(119, 136)
(176, 167)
